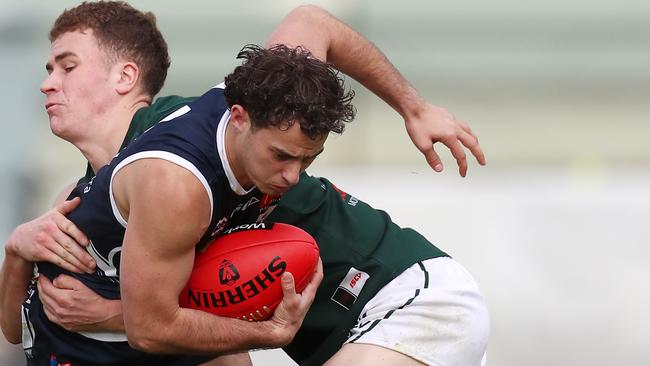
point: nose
(291, 173)
(49, 84)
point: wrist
(413, 107)
(10, 248)
(115, 318)
(273, 335)
(12, 253)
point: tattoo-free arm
(330, 39)
(42, 239)
(168, 211)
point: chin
(271, 191)
(59, 131)
(56, 128)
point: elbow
(13, 340)
(11, 332)
(309, 9)
(144, 343)
(146, 339)
(309, 13)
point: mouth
(50, 105)
(281, 189)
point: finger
(73, 231)
(44, 291)
(50, 313)
(318, 273)
(433, 159)
(66, 207)
(466, 127)
(311, 288)
(67, 251)
(288, 285)
(56, 256)
(71, 252)
(459, 154)
(59, 300)
(471, 142)
(66, 282)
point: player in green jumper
(369, 267)
(359, 241)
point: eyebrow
(58, 58)
(285, 153)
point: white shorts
(432, 312)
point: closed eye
(283, 157)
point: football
(238, 274)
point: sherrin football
(238, 274)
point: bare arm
(331, 40)
(51, 237)
(70, 304)
(15, 275)
(168, 210)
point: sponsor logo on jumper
(245, 290)
(252, 226)
(89, 185)
(354, 279)
(219, 227)
(350, 288)
(244, 206)
(228, 273)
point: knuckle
(65, 225)
(66, 245)
(40, 253)
(448, 135)
(65, 255)
(41, 237)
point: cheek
(268, 167)
(89, 92)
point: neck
(100, 148)
(231, 155)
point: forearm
(15, 275)
(114, 323)
(195, 332)
(328, 38)
(357, 57)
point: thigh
(360, 354)
(433, 312)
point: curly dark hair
(122, 32)
(281, 85)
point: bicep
(168, 212)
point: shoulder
(160, 109)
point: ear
(239, 118)
(128, 77)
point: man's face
(272, 158)
(78, 88)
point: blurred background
(555, 227)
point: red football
(238, 274)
